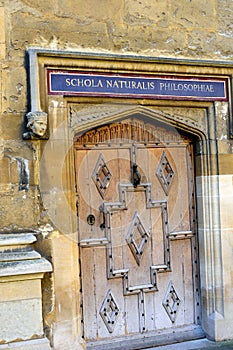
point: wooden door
(137, 233)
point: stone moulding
(19, 258)
(79, 118)
(39, 57)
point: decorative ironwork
(165, 173)
(101, 176)
(136, 177)
(109, 311)
(171, 302)
(137, 237)
(137, 245)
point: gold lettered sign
(136, 86)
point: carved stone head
(37, 125)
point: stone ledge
(24, 267)
(16, 239)
(35, 344)
(18, 257)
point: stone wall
(184, 29)
(193, 29)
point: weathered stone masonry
(39, 267)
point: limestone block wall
(184, 29)
(192, 29)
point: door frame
(204, 187)
(69, 116)
(159, 336)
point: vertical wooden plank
(83, 191)
(121, 174)
(142, 162)
(95, 198)
(119, 160)
(139, 274)
(149, 311)
(188, 283)
(88, 293)
(193, 226)
(183, 281)
(178, 209)
(162, 320)
(131, 312)
(101, 288)
(154, 156)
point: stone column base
(21, 272)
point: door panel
(137, 241)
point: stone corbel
(37, 123)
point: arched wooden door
(137, 235)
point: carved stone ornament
(37, 126)
(97, 113)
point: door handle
(136, 177)
(102, 225)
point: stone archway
(59, 155)
(140, 128)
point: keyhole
(91, 219)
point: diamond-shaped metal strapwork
(165, 173)
(109, 311)
(137, 237)
(171, 302)
(101, 176)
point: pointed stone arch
(82, 119)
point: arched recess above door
(85, 118)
